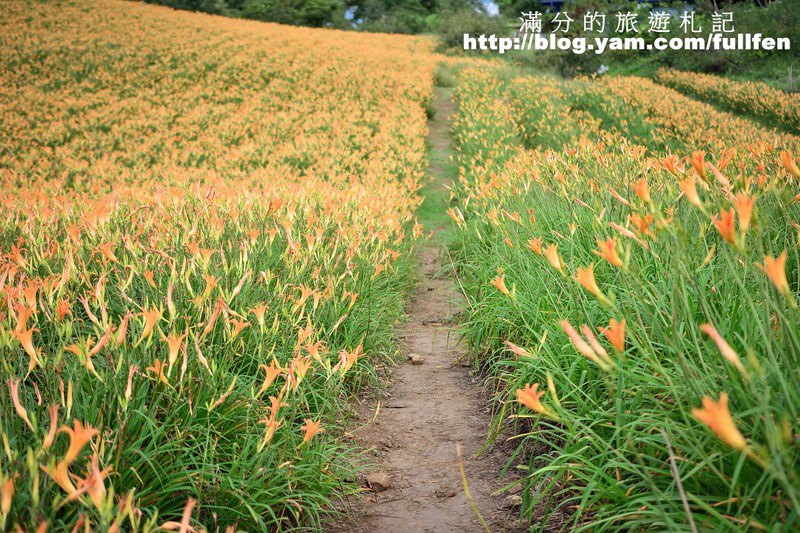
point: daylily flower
(642, 190)
(185, 525)
(788, 161)
(51, 434)
(698, 163)
(517, 350)
(584, 348)
(689, 189)
(775, 269)
(272, 372)
(151, 317)
(529, 396)
(311, 428)
(551, 253)
(725, 224)
(536, 245)
(13, 385)
(744, 208)
(608, 250)
(615, 333)
(724, 348)
(585, 276)
(500, 283)
(25, 338)
(718, 418)
(6, 496)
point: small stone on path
(379, 481)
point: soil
(432, 406)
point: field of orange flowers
(749, 97)
(205, 242)
(630, 258)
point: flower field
(630, 258)
(753, 98)
(205, 242)
(211, 227)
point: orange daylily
(6, 496)
(272, 372)
(551, 253)
(642, 190)
(51, 434)
(689, 188)
(788, 161)
(607, 249)
(744, 208)
(517, 350)
(25, 338)
(311, 428)
(775, 269)
(718, 418)
(151, 317)
(698, 163)
(584, 348)
(724, 348)
(585, 276)
(536, 245)
(13, 385)
(500, 283)
(615, 333)
(725, 224)
(530, 397)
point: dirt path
(432, 407)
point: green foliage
(453, 26)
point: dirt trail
(431, 407)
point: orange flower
(151, 317)
(174, 343)
(698, 164)
(689, 188)
(272, 372)
(726, 226)
(79, 436)
(670, 163)
(788, 161)
(536, 245)
(6, 496)
(585, 276)
(93, 483)
(25, 338)
(724, 348)
(615, 333)
(642, 223)
(51, 434)
(500, 283)
(157, 368)
(23, 414)
(717, 417)
(311, 428)
(642, 190)
(744, 208)
(517, 350)
(529, 396)
(584, 348)
(238, 325)
(551, 253)
(775, 269)
(259, 312)
(608, 250)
